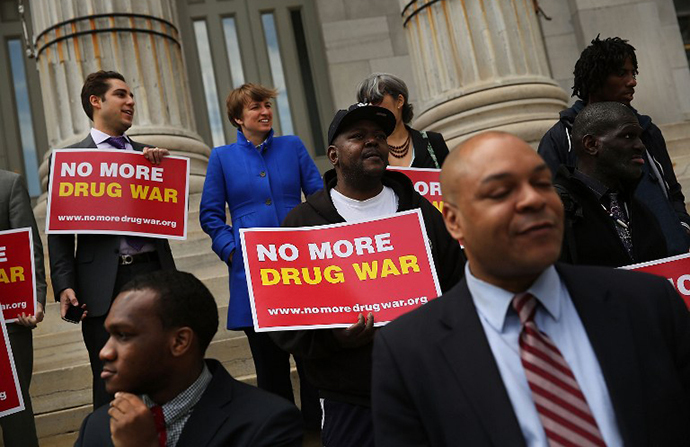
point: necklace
(402, 150)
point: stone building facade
(471, 64)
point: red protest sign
(17, 278)
(676, 269)
(117, 192)
(11, 400)
(318, 277)
(426, 183)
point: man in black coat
(165, 393)
(599, 357)
(91, 277)
(605, 223)
(338, 361)
(607, 71)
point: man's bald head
(460, 161)
(598, 119)
(500, 203)
(607, 141)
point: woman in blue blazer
(261, 178)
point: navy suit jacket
(229, 414)
(92, 270)
(435, 380)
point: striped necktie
(563, 409)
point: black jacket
(590, 235)
(345, 374)
(556, 147)
(422, 156)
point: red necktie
(159, 419)
(562, 408)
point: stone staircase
(61, 384)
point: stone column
(480, 65)
(137, 38)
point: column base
(526, 110)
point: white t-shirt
(384, 203)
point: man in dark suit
(19, 429)
(91, 277)
(165, 393)
(522, 351)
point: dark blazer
(229, 414)
(92, 270)
(422, 157)
(435, 380)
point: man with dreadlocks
(607, 71)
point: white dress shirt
(100, 137)
(558, 318)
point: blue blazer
(260, 187)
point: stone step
(201, 264)
(60, 422)
(61, 440)
(676, 131)
(678, 148)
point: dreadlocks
(599, 60)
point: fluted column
(137, 38)
(480, 65)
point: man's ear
(95, 102)
(590, 145)
(453, 221)
(332, 153)
(181, 341)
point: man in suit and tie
(165, 393)
(91, 277)
(19, 429)
(524, 351)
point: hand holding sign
(155, 154)
(359, 334)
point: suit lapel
(208, 415)
(85, 143)
(606, 322)
(138, 146)
(467, 351)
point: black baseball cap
(361, 111)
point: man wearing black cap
(338, 361)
